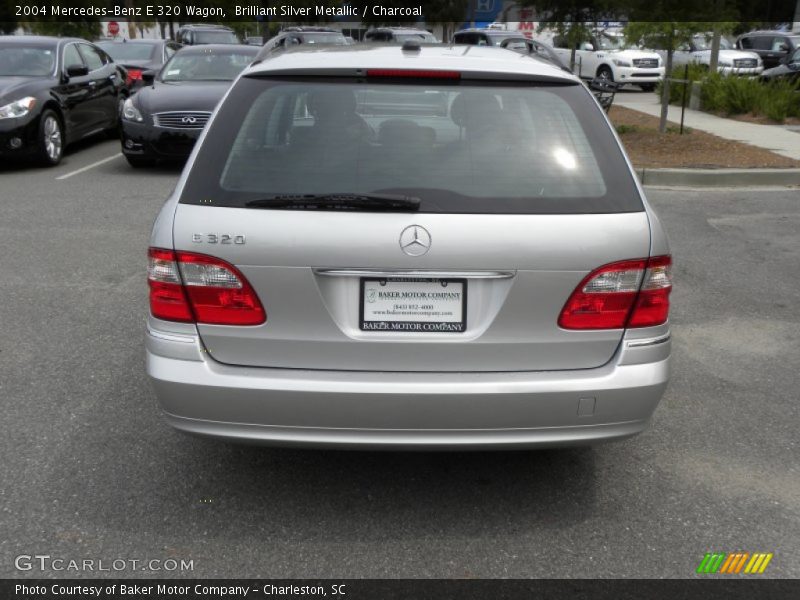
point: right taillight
(190, 287)
(629, 293)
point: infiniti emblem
(191, 120)
(415, 240)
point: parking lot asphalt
(89, 469)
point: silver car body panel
(380, 409)
(310, 376)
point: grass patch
(623, 129)
(677, 129)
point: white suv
(698, 51)
(605, 56)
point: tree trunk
(662, 124)
(715, 41)
(131, 21)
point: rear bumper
(146, 141)
(405, 410)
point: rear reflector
(190, 287)
(629, 293)
(414, 73)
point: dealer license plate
(413, 305)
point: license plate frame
(412, 326)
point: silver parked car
(425, 246)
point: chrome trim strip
(414, 273)
(172, 337)
(649, 342)
(183, 112)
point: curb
(719, 177)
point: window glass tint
(124, 51)
(224, 66)
(416, 36)
(763, 42)
(466, 38)
(459, 148)
(93, 59)
(610, 42)
(215, 37)
(71, 56)
(26, 61)
(330, 38)
(780, 44)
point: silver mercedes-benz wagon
(434, 247)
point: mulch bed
(648, 148)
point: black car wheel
(604, 72)
(138, 162)
(51, 139)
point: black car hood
(779, 71)
(14, 88)
(184, 95)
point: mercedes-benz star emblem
(415, 240)
(189, 120)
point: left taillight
(629, 293)
(133, 75)
(190, 287)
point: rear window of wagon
(460, 147)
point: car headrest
(471, 107)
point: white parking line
(91, 166)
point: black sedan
(55, 91)
(137, 56)
(164, 119)
(789, 69)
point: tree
(670, 35)
(572, 18)
(86, 28)
(447, 13)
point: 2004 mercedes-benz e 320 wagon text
(417, 247)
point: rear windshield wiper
(363, 202)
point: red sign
(113, 28)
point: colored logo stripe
(758, 563)
(735, 562)
(721, 562)
(711, 562)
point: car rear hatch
(470, 280)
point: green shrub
(780, 99)
(732, 95)
(743, 95)
(623, 129)
(695, 73)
